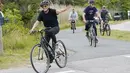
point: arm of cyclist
(63, 10)
(83, 16)
(34, 26)
(98, 15)
(70, 16)
(110, 15)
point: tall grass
(17, 43)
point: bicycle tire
(32, 62)
(57, 55)
(108, 30)
(90, 39)
(94, 38)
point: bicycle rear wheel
(108, 30)
(60, 54)
(39, 58)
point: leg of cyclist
(103, 23)
(95, 28)
(71, 24)
(75, 24)
(87, 26)
(52, 32)
(47, 37)
(70, 21)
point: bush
(14, 16)
(17, 37)
(80, 17)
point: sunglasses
(45, 6)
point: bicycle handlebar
(41, 30)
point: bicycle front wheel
(73, 27)
(60, 54)
(94, 38)
(39, 58)
(108, 30)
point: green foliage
(80, 16)
(10, 6)
(27, 17)
(16, 37)
(14, 16)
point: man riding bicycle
(49, 17)
(73, 16)
(89, 13)
(104, 14)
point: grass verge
(117, 22)
(118, 35)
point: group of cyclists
(49, 18)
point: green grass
(118, 35)
(16, 50)
(17, 43)
(117, 22)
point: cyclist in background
(89, 13)
(73, 17)
(104, 14)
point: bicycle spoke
(61, 54)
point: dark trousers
(88, 25)
(50, 33)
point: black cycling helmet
(91, 2)
(45, 2)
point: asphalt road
(110, 56)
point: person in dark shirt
(89, 13)
(49, 18)
(104, 14)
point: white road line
(128, 56)
(71, 71)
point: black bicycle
(73, 26)
(106, 28)
(91, 33)
(40, 57)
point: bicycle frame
(91, 27)
(45, 44)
